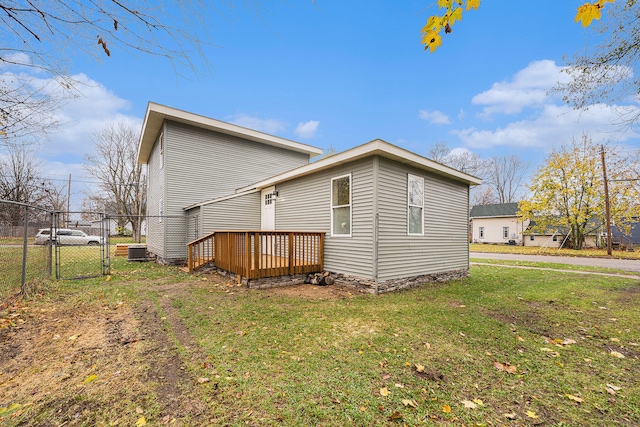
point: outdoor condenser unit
(137, 253)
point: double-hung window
(341, 206)
(415, 208)
(505, 232)
(481, 232)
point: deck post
(247, 245)
(190, 259)
(292, 263)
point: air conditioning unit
(137, 253)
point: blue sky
(343, 73)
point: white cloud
(554, 124)
(434, 117)
(270, 126)
(527, 88)
(307, 129)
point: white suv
(64, 236)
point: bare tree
(461, 159)
(439, 151)
(20, 182)
(483, 195)
(608, 72)
(44, 36)
(505, 175)
(114, 164)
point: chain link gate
(80, 243)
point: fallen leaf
(506, 367)
(90, 378)
(363, 408)
(139, 410)
(203, 380)
(614, 339)
(73, 337)
(574, 398)
(446, 408)
(568, 341)
(384, 392)
(614, 387)
(241, 333)
(427, 345)
(478, 401)
(511, 416)
(469, 404)
(519, 338)
(395, 416)
(531, 414)
(419, 368)
(141, 422)
(618, 355)
(399, 385)
(407, 402)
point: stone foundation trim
(369, 285)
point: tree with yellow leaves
(436, 24)
(567, 193)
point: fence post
(24, 248)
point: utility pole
(606, 200)
(68, 200)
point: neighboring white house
(497, 223)
(389, 218)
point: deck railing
(201, 251)
(255, 254)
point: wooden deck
(257, 254)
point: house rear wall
(443, 247)
(304, 204)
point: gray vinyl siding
(444, 245)
(238, 213)
(304, 204)
(155, 192)
(201, 165)
(204, 165)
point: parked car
(65, 236)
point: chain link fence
(81, 244)
(23, 264)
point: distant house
(388, 218)
(554, 237)
(621, 239)
(497, 223)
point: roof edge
(156, 114)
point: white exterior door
(268, 210)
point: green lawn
(532, 250)
(503, 347)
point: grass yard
(532, 250)
(152, 345)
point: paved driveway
(619, 264)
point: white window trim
(409, 177)
(350, 206)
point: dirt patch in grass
(174, 383)
(61, 365)
(312, 291)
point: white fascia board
(156, 114)
(219, 199)
(376, 147)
